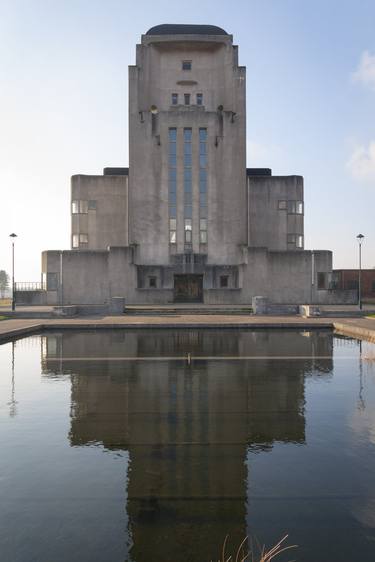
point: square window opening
(186, 64)
(152, 282)
(224, 281)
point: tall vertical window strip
(203, 186)
(188, 200)
(172, 184)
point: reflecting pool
(154, 445)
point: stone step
(180, 310)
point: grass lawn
(3, 318)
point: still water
(154, 445)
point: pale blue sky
(310, 108)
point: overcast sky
(63, 108)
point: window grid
(79, 207)
(172, 184)
(188, 202)
(203, 186)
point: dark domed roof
(185, 29)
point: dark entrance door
(188, 288)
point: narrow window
(187, 99)
(188, 207)
(321, 280)
(188, 231)
(299, 241)
(224, 281)
(83, 206)
(186, 65)
(172, 184)
(152, 282)
(291, 207)
(299, 208)
(291, 239)
(75, 207)
(203, 237)
(199, 99)
(52, 281)
(203, 186)
(75, 240)
(282, 205)
(174, 99)
(83, 239)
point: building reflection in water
(187, 423)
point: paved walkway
(362, 328)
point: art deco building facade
(187, 221)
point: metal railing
(29, 286)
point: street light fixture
(360, 238)
(13, 236)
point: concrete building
(187, 221)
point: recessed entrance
(188, 288)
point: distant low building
(348, 279)
(187, 221)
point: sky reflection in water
(150, 445)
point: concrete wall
(269, 225)
(216, 74)
(107, 225)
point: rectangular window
(203, 186)
(174, 99)
(152, 282)
(299, 241)
(291, 239)
(224, 281)
(75, 240)
(79, 206)
(321, 280)
(186, 65)
(172, 183)
(203, 224)
(282, 205)
(83, 239)
(187, 99)
(188, 187)
(199, 99)
(203, 236)
(52, 281)
(299, 208)
(92, 205)
(291, 207)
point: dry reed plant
(370, 357)
(263, 556)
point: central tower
(187, 139)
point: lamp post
(13, 236)
(360, 238)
